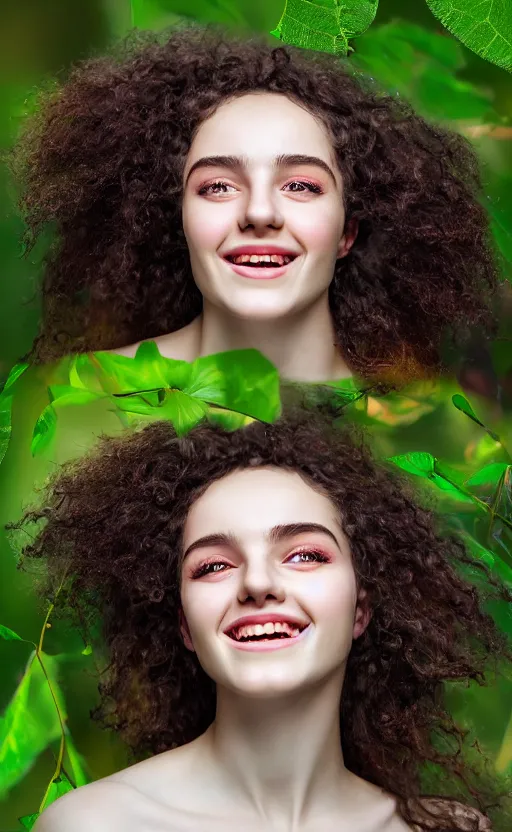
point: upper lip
(265, 618)
(261, 248)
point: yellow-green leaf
(30, 721)
(484, 26)
(324, 25)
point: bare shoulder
(182, 345)
(103, 806)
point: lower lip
(260, 272)
(265, 646)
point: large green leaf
(484, 26)
(30, 722)
(421, 66)
(324, 25)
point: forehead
(254, 500)
(261, 125)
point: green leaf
(248, 384)
(6, 406)
(29, 821)
(464, 406)
(183, 411)
(30, 721)
(87, 651)
(417, 462)
(58, 787)
(324, 25)
(44, 430)
(8, 634)
(421, 66)
(490, 475)
(484, 26)
(63, 395)
(14, 375)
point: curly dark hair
(103, 157)
(113, 526)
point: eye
(213, 187)
(317, 557)
(208, 568)
(311, 186)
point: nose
(261, 210)
(259, 582)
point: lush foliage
(473, 481)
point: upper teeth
(262, 258)
(268, 629)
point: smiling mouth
(269, 261)
(259, 269)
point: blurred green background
(406, 49)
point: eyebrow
(275, 535)
(242, 163)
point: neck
(281, 759)
(302, 346)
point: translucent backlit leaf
(44, 430)
(418, 462)
(488, 476)
(63, 395)
(183, 411)
(324, 25)
(484, 26)
(8, 635)
(30, 721)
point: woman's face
(261, 171)
(262, 542)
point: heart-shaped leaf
(484, 26)
(324, 25)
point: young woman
(168, 168)
(279, 616)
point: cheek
(334, 599)
(203, 227)
(203, 606)
(321, 229)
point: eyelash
(202, 569)
(311, 186)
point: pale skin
(272, 759)
(265, 197)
